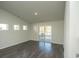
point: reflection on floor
(33, 49)
(47, 47)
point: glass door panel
(45, 33)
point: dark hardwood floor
(33, 49)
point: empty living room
(39, 29)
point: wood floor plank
(33, 49)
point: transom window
(16, 27)
(3, 27)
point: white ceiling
(47, 10)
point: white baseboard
(3, 47)
(53, 42)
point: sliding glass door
(45, 33)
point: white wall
(57, 31)
(72, 29)
(11, 37)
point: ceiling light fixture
(35, 13)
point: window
(24, 27)
(3, 27)
(16, 27)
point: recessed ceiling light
(35, 13)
